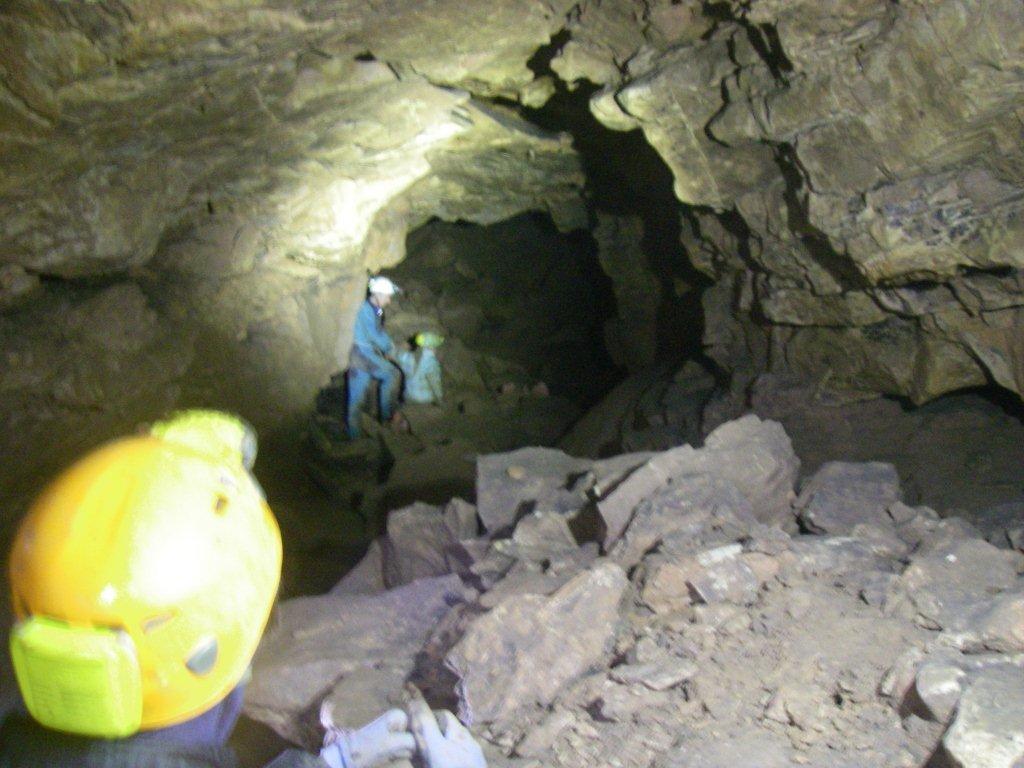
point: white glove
(443, 742)
(384, 740)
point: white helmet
(383, 286)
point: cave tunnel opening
(625, 177)
(528, 302)
(527, 310)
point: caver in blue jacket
(368, 360)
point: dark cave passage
(625, 177)
(529, 304)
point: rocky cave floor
(838, 587)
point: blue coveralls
(367, 361)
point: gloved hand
(384, 740)
(443, 742)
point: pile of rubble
(671, 609)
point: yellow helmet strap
(81, 680)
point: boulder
(714, 576)
(996, 626)
(528, 648)
(691, 512)
(755, 456)
(510, 485)
(938, 686)
(316, 644)
(810, 556)
(1003, 524)
(421, 538)
(666, 672)
(944, 586)
(367, 577)
(842, 495)
(988, 731)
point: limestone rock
(631, 337)
(714, 576)
(317, 643)
(511, 485)
(544, 530)
(945, 584)
(833, 555)
(667, 672)
(996, 625)
(1003, 524)
(842, 495)
(988, 731)
(367, 577)
(528, 648)
(420, 541)
(756, 456)
(826, 224)
(938, 686)
(694, 511)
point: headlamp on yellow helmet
(142, 579)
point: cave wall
(192, 194)
(853, 171)
(205, 183)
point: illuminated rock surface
(192, 193)
(711, 639)
(857, 163)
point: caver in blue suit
(368, 360)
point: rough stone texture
(645, 412)
(944, 583)
(511, 485)
(989, 728)
(317, 644)
(841, 495)
(756, 456)
(420, 540)
(528, 648)
(367, 577)
(76, 368)
(245, 164)
(713, 576)
(857, 172)
(631, 337)
(326, 112)
(734, 643)
(678, 518)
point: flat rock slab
(842, 495)
(682, 515)
(755, 456)
(511, 485)
(674, 585)
(420, 539)
(316, 643)
(529, 647)
(660, 675)
(988, 731)
(367, 577)
(946, 584)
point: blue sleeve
(367, 335)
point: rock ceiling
(849, 172)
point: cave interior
(639, 225)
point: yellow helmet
(223, 436)
(142, 579)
